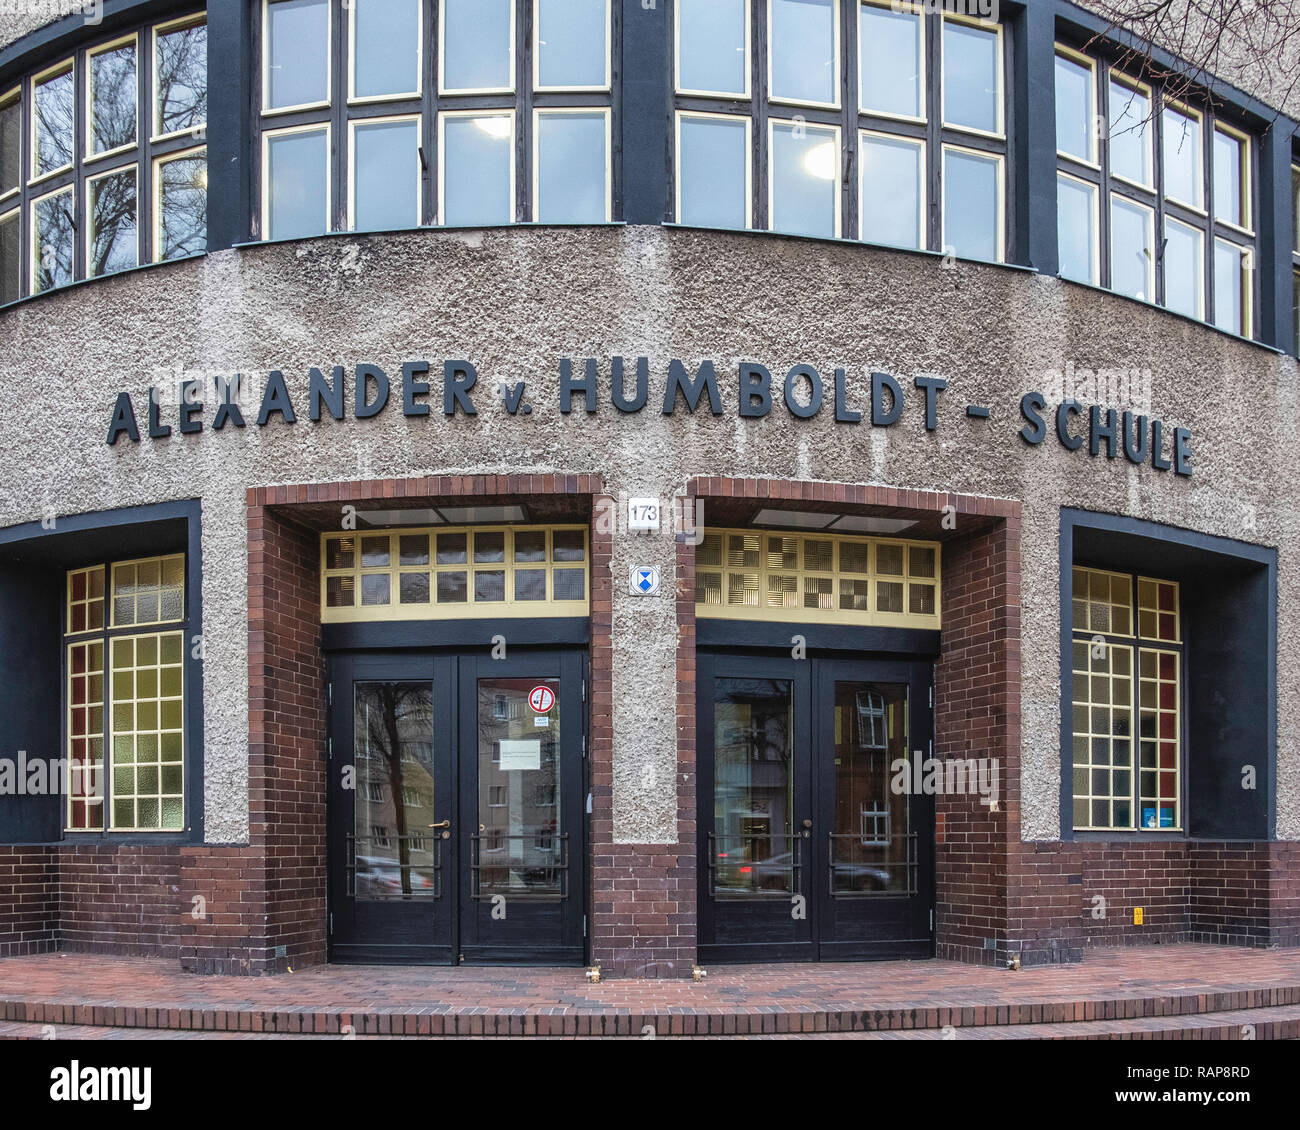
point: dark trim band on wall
(538, 631)
(231, 163)
(861, 641)
(645, 49)
(1032, 133)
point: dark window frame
(428, 105)
(1228, 603)
(143, 155)
(1212, 113)
(45, 555)
(1136, 644)
(851, 121)
(1295, 249)
(106, 635)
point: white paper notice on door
(520, 755)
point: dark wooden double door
(813, 843)
(456, 818)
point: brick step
(1252, 1023)
(1247, 1023)
(804, 1017)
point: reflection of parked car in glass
(379, 876)
(860, 877)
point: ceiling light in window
(820, 160)
(473, 515)
(377, 518)
(799, 519)
(865, 524)
(498, 127)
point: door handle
(807, 823)
(444, 824)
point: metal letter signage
(874, 399)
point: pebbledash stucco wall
(515, 301)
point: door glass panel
(520, 843)
(396, 854)
(871, 844)
(753, 789)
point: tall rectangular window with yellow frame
(1126, 760)
(125, 717)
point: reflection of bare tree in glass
(53, 107)
(55, 227)
(113, 85)
(10, 253)
(399, 705)
(113, 246)
(181, 76)
(11, 130)
(183, 218)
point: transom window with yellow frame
(455, 573)
(1127, 664)
(124, 724)
(769, 575)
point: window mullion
(934, 129)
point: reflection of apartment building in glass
(954, 358)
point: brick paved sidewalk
(1136, 982)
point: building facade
(645, 485)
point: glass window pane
(970, 76)
(1076, 229)
(477, 45)
(711, 169)
(890, 61)
(114, 236)
(803, 37)
(1184, 268)
(53, 231)
(520, 850)
(1074, 112)
(11, 130)
(112, 99)
(296, 184)
(753, 788)
(1295, 302)
(712, 46)
(181, 79)
(297, 52)
(477, 159)
(183, 206)
(385, 47)
(147, 702)
(10, 258)
(1130, 249)
(54, 102)
(386, 175)
(572, 167)
(1231, 303)
(970, 205)
(569, 545)
(1129, 133)
(571, 49)
(891, 191)
(1229, 177)
(1182, 157)
(805, 179)
(1295, 208)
